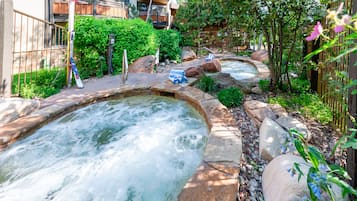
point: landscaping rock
(257, 90)
(272, 140)
(223, 80)
(279, 184)
(260, 55)
(258, 111)
(278, 110)
(14, 108)
(187, 54)
(292, 123)
(194, 72)
(143, 65)
(213, 66)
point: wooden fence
(342, 102)
(330, 84)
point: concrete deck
(216, 178)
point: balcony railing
(111, 9)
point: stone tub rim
(221, 158)
(263, 70)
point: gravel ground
(252, 165)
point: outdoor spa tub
(244, 69)
(157, 143)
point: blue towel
(177, 76)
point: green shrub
(264, 85)
(207, 84)
(300, 85)
(91, 42)
(231, 97)
(137, 37)
(308, 104)
(169, 45)
(44, 83)
(244, 53)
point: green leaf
(297, 168)
(336, 169)
(345, 186)
(309, 180)
(319, 50)
(351, 143)
(344, 53)
(315, 156)
(351, 36)
(300, 148)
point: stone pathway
(107, 82)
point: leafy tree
(282, 23)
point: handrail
(124, 67)
(41, 20)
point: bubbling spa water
(239, 70)
(137, 148)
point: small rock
(188, 54)
(260, 55)
(194, 72)
(212, 66)
(143, 65)
(257, 90)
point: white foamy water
(134, 149)
(239, 70)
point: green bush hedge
(43, 83)
(91, 42)
(231, 97)
(169, 45)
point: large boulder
(279, 184)
(14, 108)
(194, 72)
(213, 66)
(292, 123)
(278, 110)
(258, 111)
(143, 65)
(273, 140)
(260, 55)
(187, 54)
